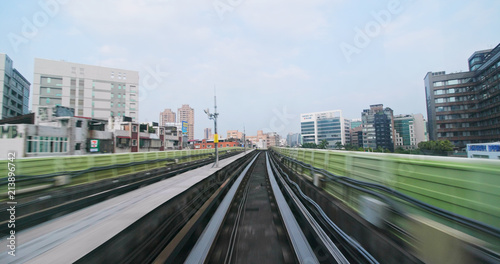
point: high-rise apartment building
(294, 139)
(93, 91)
(356, 123)
(378, 127)
(207, 133)
(167, 116)
(15, 89)
(186, 113)
(330, 126)
(465, 107)
(409, 130)
(357, 136)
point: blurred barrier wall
(468, 187)
(29, 169)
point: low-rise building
(484, 150)
(209, 144)
(234, 134)
(57, 132)
(62, 136)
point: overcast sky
(270, 61)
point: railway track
(253, 229)
(262, 220)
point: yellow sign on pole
(216, 138)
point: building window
(79, 123)
(38, 144)
(134, 128)
(78, 146)
(134, 142)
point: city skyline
(315, 57)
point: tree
(435, 147)
(338, 145)
(401, 150)
(309, 145)
(323, 144)
(349, 147)
(379, 149)
(445, 145)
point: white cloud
(428, 38)
(291, 71)
(296, 19)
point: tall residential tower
(167, 116)
(378, 127)
(15, 89)
(186, 113)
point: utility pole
(244, 139)
(216, 136)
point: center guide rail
(276, 227)
(344, 249)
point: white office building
(330, 126)
(93, 91)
